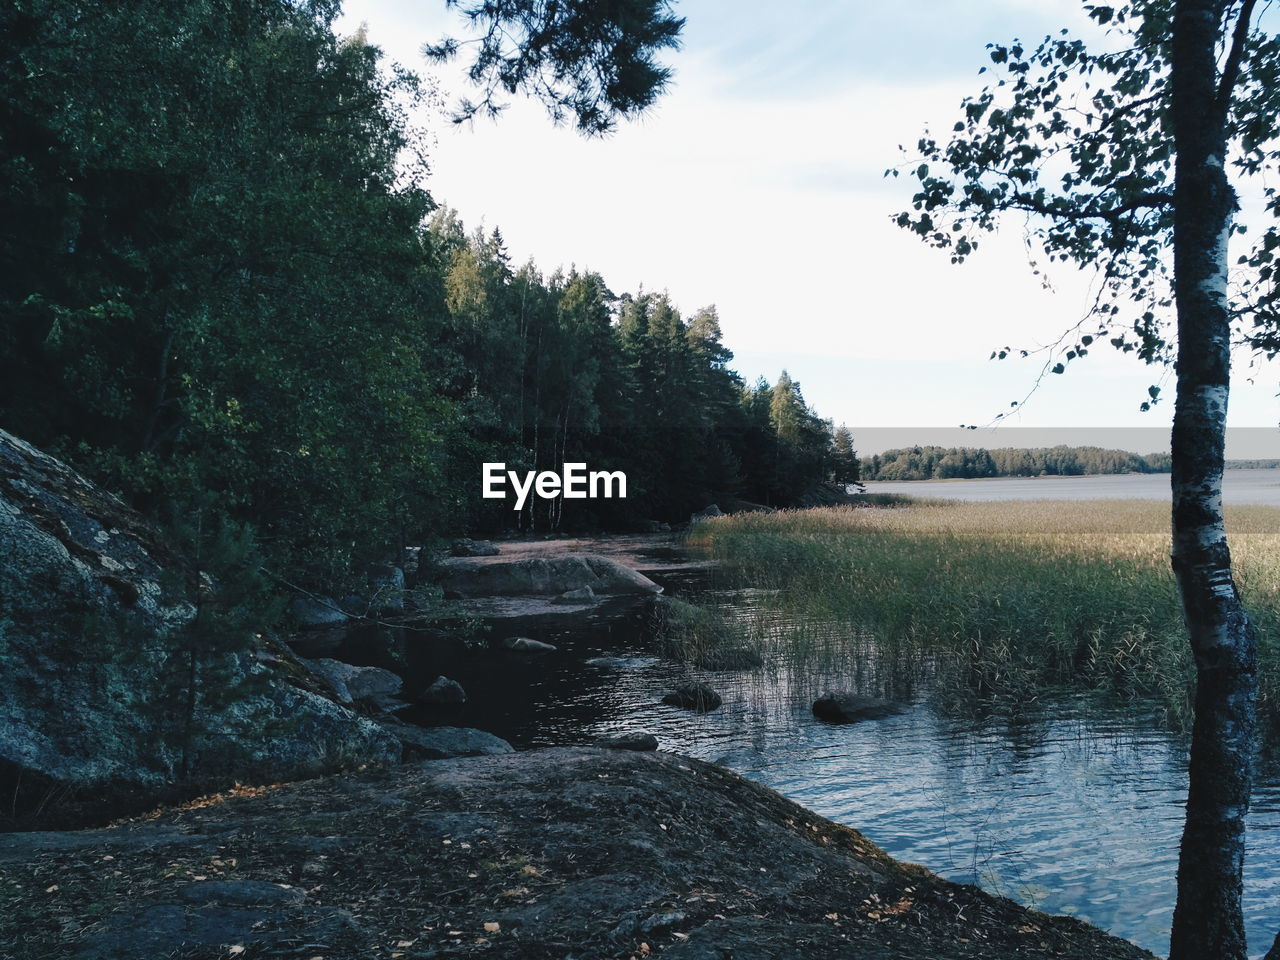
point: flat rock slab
(548, 577)
(446, 743)
(545, 854)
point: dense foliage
(946, 463)
(220, 277)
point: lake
(1260, 487)
(1071, 803)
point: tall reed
(1009, 597)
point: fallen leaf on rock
(492, 927)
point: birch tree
(1126, 162)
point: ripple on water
(1073, 806)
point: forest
(949, 463)
(228, 293)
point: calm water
(1238, 486)
(1072, 804)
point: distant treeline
(945, 463)
(228, 296)
(1253, 464)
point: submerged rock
(443, 691)
(851, 707)
(464, 547)
(629, 741)
(528, 645)
(693, 696)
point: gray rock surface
(445, 743)
(706, 513)
(581, 595)
(601, 850)
(91, 606)
(548, 576)
(464, 547)
(217, 915)
(844, 707)
(351, 683)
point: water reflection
(1069, 803)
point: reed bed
(1005, 599)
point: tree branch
(1149, 200)
(1231, 69)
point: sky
(757, 184)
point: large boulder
(350, 683)
(548, 576)
(93, 605)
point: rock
(661, 922)
(706, 513)
(527, 645)
(311, 612)
(1274, 952)
(547, 576)
(579, 828)
(581, 595)
(693, 696)
(94, 602)
(463, 547)
(443, 691)
(629, 741)
(850, 708)
(445, 743)
(386, 589)
(210, 916)
(656, 526)
(353, 683)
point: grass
(1003, 599)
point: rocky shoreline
(468, 849)
(567, 853)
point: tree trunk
(1208, 920)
